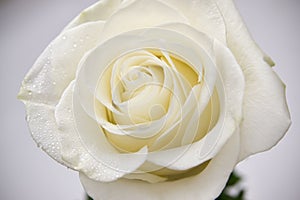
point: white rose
(154, 99)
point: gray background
(28, 26)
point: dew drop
(27, 117)
(74, 45)
(64, 37)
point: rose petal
(56, 67)
(265, 113)
(50, 75)
(151, 178)
(122, 21)
(206, 185)
(137, 106)
(84, 145)
(202, 15)
(200, 38)
(99, 11)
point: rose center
(148, 92)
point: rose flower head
(154, 99)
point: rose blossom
(154, 99)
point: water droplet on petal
(27, 118)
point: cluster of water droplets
(49, 77)
(42, 132)
(75, 44)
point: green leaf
(233, 179)
(88, 197)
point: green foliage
(233, 180)
(88, 198)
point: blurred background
(28, 26)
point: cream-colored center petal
(149, 89)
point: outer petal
(265, 112)
(99, 11)
(205, 186)
(50, 75)
(141, 14)
(204, 15)
(84, 145)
